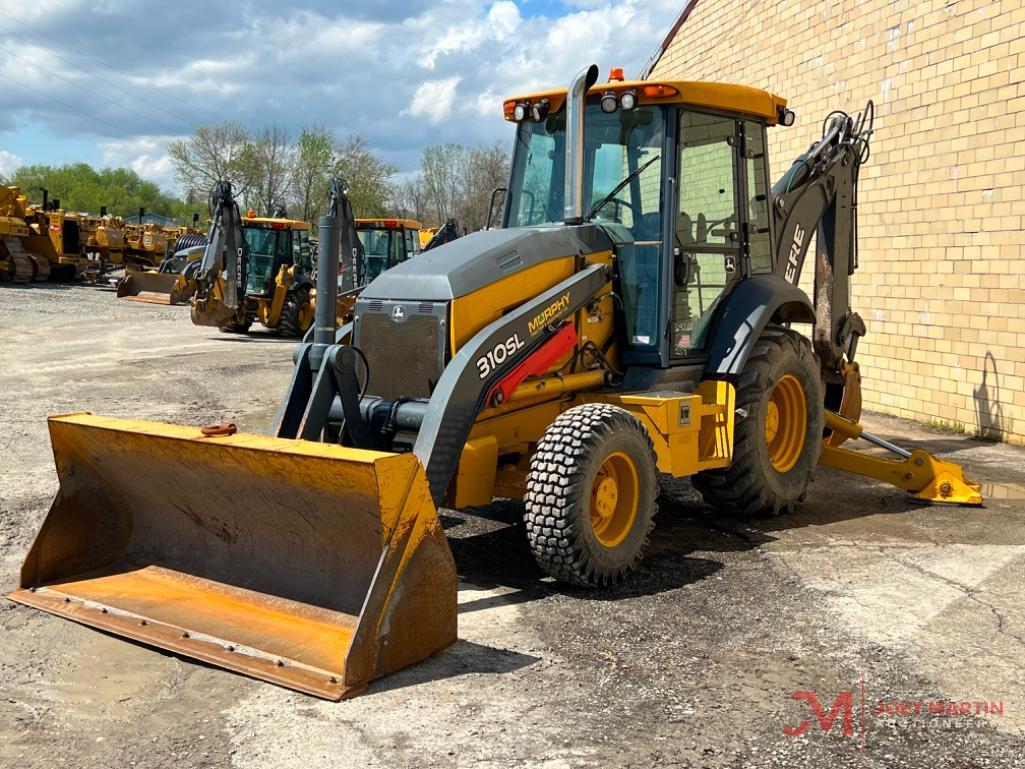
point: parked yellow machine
(253, 269)
(16, 266)
(57, 241)
(636, 315)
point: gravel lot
(693, 663)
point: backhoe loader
(380, 245)
(635, 315)
(253, 269)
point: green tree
(311, 169)
(368, 177)
(80, 187)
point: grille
(405, 358)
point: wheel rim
(786, 423)
(614, 499)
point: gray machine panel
(480, 258)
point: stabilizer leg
(918, 472)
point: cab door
(708, 227)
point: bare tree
(454, 182)
(486, 168)
(212, 153)
(409, 200)
(442, 170)
(273, 169)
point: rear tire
(777, 435)
(591, 491)
(296, 315)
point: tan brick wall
(942, 199)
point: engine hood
(479, 259)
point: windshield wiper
(615, 190)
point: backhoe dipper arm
(226, 252)
(820, 191)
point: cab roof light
(616, 74)
(628, 99)
(609, 103)
(659, 91)
(786, 116)
(519, 111)
(250, 214)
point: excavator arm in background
(448, 232)
(221, 279)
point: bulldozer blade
(154, 288)
(313, 566)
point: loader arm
(819, 193)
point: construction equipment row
(45, 242)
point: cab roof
(385, 223)
(284, 224)
(717, 96)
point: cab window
(758, 190)
(707, 240)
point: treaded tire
(562, 476)
(288, 323)
(751, 485)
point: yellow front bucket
(310, 565)
(155, 288)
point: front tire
(591, 495)
(297, 314)
(777, 433)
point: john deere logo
(398, 312)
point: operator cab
(273, 244)
(386, 243)
(676, 173)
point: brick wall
(942, 199)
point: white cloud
(9, 162)
(147, 156)
(434, 99)
(363, 66)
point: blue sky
(111, 82)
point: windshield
(622, 191)
(382, 248)
(266, 246)
(617, 145)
